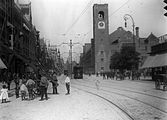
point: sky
(61, 20)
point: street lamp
(126, 16)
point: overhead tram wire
(87, 6)
(119, 8)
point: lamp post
(126, 16)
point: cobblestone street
(138, 98)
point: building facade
(104, 45)
(18, 38)
(6, 26)
(163, 38)
(87, 58)
(100, 35)
(121, 37)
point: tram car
(65, 72)
(78, 72)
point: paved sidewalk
(78, 105)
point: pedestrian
(43, 87)
(23, 91)
(104, 75)
(30, 85)
(97, 74)
(4, 94)
(9, 79)
(67, 82)
(24, 80)
(54, 84)
(38, 85)
(16, 80)
(97, 83)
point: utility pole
(71, 55)
(71, 44)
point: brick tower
(101, 35)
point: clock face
(101, 25)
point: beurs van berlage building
(103, 45)
(100, 34)
(96, 58)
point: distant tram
(65, 72)
(78, 72)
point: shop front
(157, 62)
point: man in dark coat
(9, 79)
(17, 88)
(54, 84)
(43, 86)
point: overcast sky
(53, 18)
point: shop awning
(148, 62)
(2, 65)
(155, 61)
(160, 60)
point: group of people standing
(29, 86)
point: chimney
(137, 32)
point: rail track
(107, 84)
(121, 94)
(121, 109)
(132, 91)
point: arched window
(101, 15)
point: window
(102, 68)
(102, 52)
(102, 59)
(101, 15)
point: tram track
(117, 93)
(142, 93)
(132, 91)
(121, 109)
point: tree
(127, 59)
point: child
(67, 81)
(4, 94)
(23, 90)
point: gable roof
(121, 34)
(151, 38)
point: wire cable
(82, 13)
(115, 11)
(119, 8)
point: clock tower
(101, 35)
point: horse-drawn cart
(161, 80)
